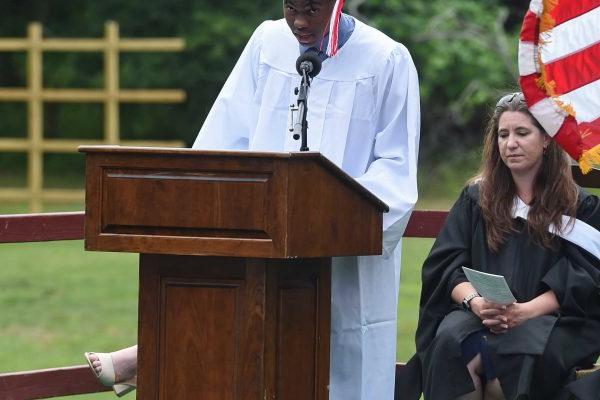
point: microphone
(308, 66)
(309, 63)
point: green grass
(22, 208)
(58, 301)
(414, 252)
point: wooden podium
(235, 264)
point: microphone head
(310, 61)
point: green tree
(465, 52)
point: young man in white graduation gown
(364, 116)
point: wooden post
(35, 117)
(111, 83)
(110, 96)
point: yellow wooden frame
(35, 95)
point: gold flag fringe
(546, 20)
(547, 86)
(547, 23)
(589, 159)
(550, 88)
(568, 108)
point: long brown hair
(554, 190)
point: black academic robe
(536, 359)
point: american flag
(559, 68)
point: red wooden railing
(47, 383)
(21, 228)
(42, 384)
(79, 379)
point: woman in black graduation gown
(468, 348)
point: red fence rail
(47, 383)
(42, 384)
(20, 228)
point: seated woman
(519, 217)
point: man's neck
(345, 30)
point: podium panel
(232, 328)
(243, 204)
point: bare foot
(95, 363)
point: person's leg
(475, 369)
(124, 363)
(493, 390)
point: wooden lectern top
(226, 203)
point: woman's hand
(491, 314)
(517, 313)
(502, 318)
(499, 319)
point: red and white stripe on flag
(559, 68)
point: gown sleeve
(234, 114)
(442, 268)
(575, 277)
(450, 251)
(392, 175)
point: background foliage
(465, 52)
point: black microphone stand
(302, 93)
(308, 66)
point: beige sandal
(107, 375)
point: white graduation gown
(364, 116)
